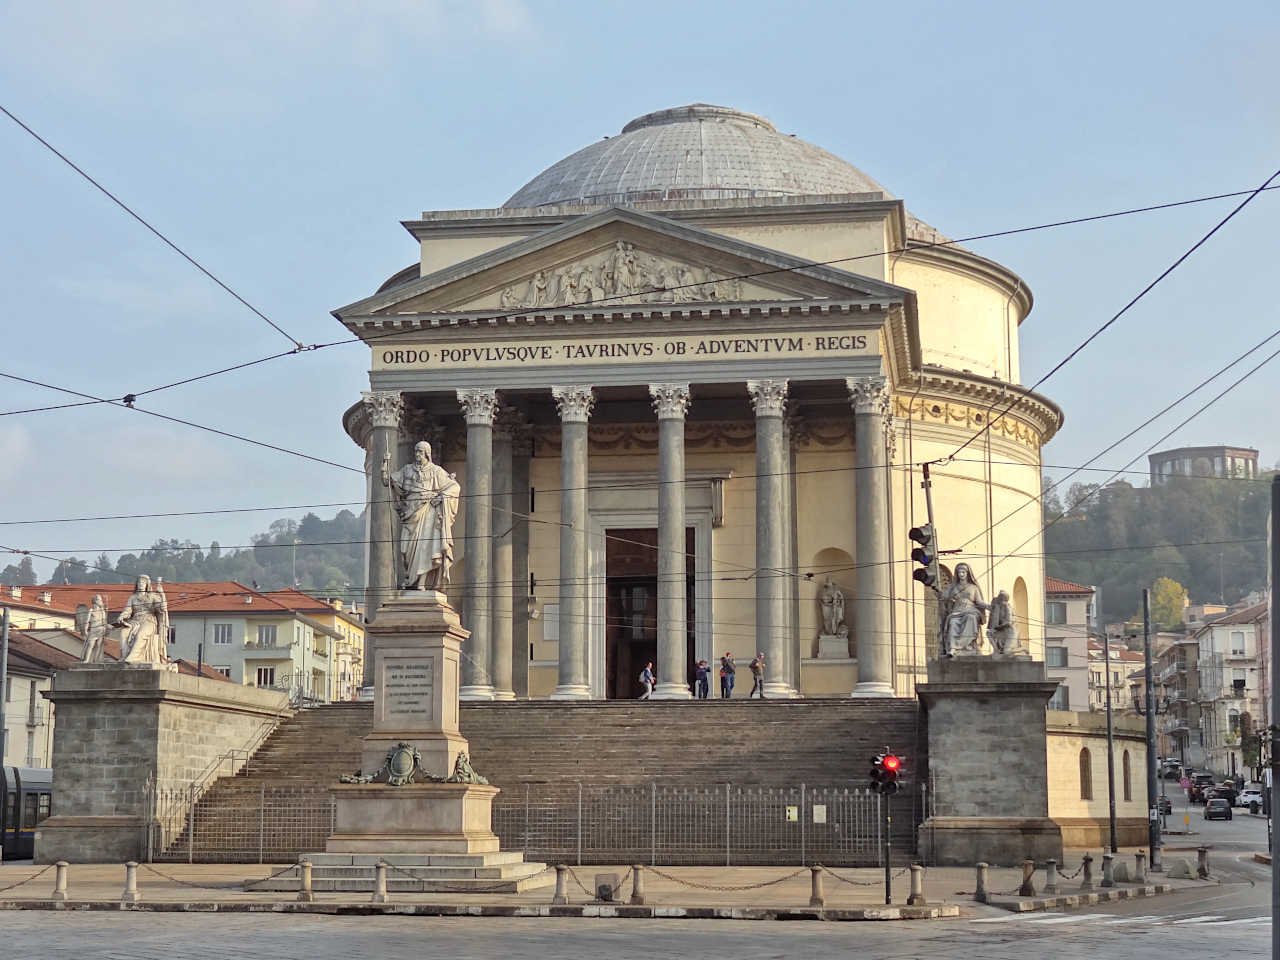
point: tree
(1168, 598)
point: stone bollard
(130, 894)
(1051, 876)
(816, 896)
(1086, 883)
(562, 875)
(916, 899)
(304, 888)
(637, 884)
(1028, 889)
(1139, 867)
(60, 883)
(380, 883)
(980, 890)
(1108, 870)
(1202, 863)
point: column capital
(384, 407)
(868, 395)
(768, 397)
(670, 400)
(574, 402)
(479, 405)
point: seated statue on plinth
(146, 619)
(426, 501)
(961, 613)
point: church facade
(686, 378)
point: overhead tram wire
(1142, 426)
(915, 246)
(989, 421)
(136, 216)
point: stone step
(407, 860)
(510, 877)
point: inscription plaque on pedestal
(408, 685)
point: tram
(26, 795)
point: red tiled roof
(1119, 652)
(1247, 615)
(187, 668)
(39, 652)
(221, 596)
(1055, 586)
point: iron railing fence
(577, 823)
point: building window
(266, 634)
(1086, 775)
(1055, 611)
(1061, 699)
(1233, 719)
(1237, 643)
(222, 633)
(1055, 656)
(44, 807)
(173, 634)
(1095, 677)
(1128, 780)
(266, 676)
(225, 671)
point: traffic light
(926, 554)
(885, 769)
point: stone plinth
(832, 646)
(417, 818)
(416, 676)
(121, 725)
(987, 743)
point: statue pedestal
(436, 834)
(415, 682)
(987, 759)
(833, 647)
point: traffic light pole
(1273, 565)
(928, 502)
(1153, 810)
(1111, 749)
(888, 877)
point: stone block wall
(121, 728)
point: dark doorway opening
(631, 609)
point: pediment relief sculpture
(620, 272)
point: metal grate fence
(572, 823)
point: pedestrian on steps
(757, 676)
(727, 670)
(646, 681)
(703, 677)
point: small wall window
(225, 671)
(266, 676)
(1055, 657)
(1055, 611)
(173, 634)
(1128, 780)
(1237, 643)
(266, 634)
(1086, 774)
(222, 633)
(1061, 699)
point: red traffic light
(891, 762)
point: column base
(504, 695)
(671, 691)
(572, 691)
(873, 688)
(475, 692)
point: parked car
(1217, 808)
(1250, 798)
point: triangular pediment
(618, 257)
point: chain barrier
(725, 888)
(238, 885)
(34, 876)
(1071, 876)
(864, 883)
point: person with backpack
(727, 670)
(757, 676)
(646, 681)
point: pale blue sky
(281, 143)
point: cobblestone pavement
(103, 936)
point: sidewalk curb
(1264, 858)
(590, 910)
(1083, 899)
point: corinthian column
(575, 405)
(503, 587)
(671, 400)
(479, 407)
(769, 398)
(384, 574)
(872, 585)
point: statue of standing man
(426, 501)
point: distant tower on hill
(1217, 461)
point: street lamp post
(1149, 707)
(1111, 751)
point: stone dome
(698, 152)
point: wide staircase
(634, 770)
